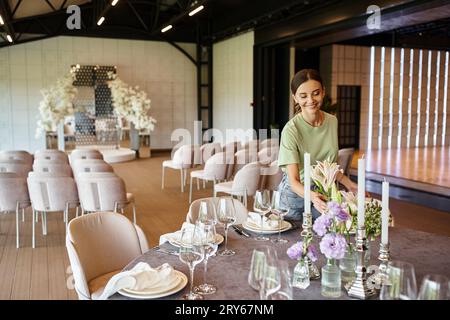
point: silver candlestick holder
(358, 287)
(384, 257)
(306, 233)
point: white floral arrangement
(130, 103)
(57, 104)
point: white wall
(233, 83)
(167, 76)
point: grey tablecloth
(428, 253)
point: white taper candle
(385, 213)
(361, 191)
(307, 181)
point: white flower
(324, 173)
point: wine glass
(434, 287)
(191, 253)
(210, 246)
(227, 216)
(268, 281)
(262, 206)
(400, 282)
(281, 284)
(277, 199)
(207, 212)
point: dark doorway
(349, 101)
(307, 59)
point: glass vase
(331, 279)
(368, 253)
(300, 277)
(348, 265)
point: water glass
(268, 281)
(434, 287)
(400, 282)
(279, 211)
(191, 253)
(281, 284)
(210, 246)
(262, 206)
(256, 268)
(226, 215)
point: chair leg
(198, 184)
(134, 213)
(37, 217)
(76, 212)
(66, 217)
(190, 190)
(33, 238)
(23, 214)
(181, 180)
(17, 226)
(82, 211)
(204, 184)
(162, 178)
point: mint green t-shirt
(299, 137)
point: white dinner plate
(286, 225)
(162, 287)
(175, 240)
(182, 282)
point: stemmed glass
(277, 209)
(400, 283)
(191, 253)
(227, 216)
(207, 212)
(434, 287)
(270, 272)
(280, 284)
(262, 206)
(210, 246)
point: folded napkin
(270, 222)
(175, 236)
(141, 277)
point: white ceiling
(29, 8)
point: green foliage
(328, 106)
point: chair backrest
(85, 154)
(209, 149)
(216, 167)
(16, 166)
(247, 178)
(243, 157)
(100, 194)
(231, 148)
(188, 156)
(86, 166)
(269, 143)
(270, 177)
(13, 188)
(251, 145)
(56, 157)
(240, 210)
(52, 167)
(20, 155)
(100, 243)
(345, 159)
(51, 193)
(268, 155)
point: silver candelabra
(306, 233)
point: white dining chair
(270, 177)
(184, 158)
(85, 154)
(241, 211)
(20, 155)
(244, 184)
(209, 149)
(14, 196)
(52, 167)
(345, 159)
(215, 170)
(56, 156)
(269, 143)
(268, 155)
(51, 194)
(15, 166)
(99, 246)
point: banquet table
(429, 253)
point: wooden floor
(429, 165)
(43, 273)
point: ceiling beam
(16, 7)
(50, 5)
(5, 11)
(137, 15)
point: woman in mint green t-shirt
(310, 130)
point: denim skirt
(293, 202)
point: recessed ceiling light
(9, 38)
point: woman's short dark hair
(301, 77)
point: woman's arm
(294, 180)
(346, 182)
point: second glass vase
(331, 279)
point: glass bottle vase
(348, 265)
(331, 279)
(300, 276)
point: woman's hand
(319, 201)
